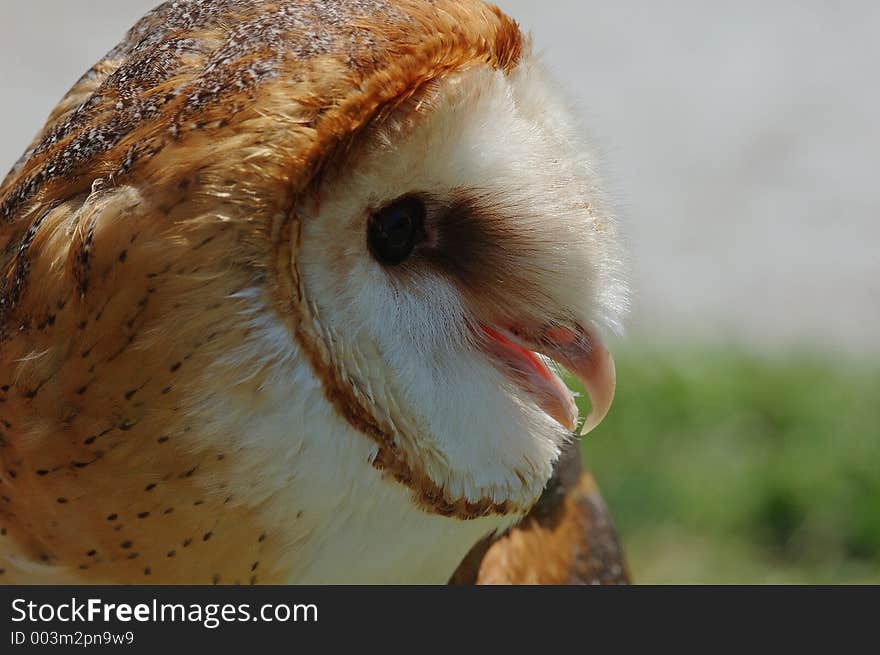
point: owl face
(460, 252)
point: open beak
(519, 350)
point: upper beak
(592, 364)
(579, 350)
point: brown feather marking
(568, 538)
(137, 159)
(80, 452)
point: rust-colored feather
(161, 185)
(568, 538)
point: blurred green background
(721, 466)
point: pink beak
(579, 350)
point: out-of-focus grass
(723, 467)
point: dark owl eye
(396, 229)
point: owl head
(380, 214)
(461, 251)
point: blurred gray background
(739, 139)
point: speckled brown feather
(187, 149)
(567, 539)
(162, 184)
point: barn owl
(281, 288)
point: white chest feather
(309, 475)
(358, 527)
